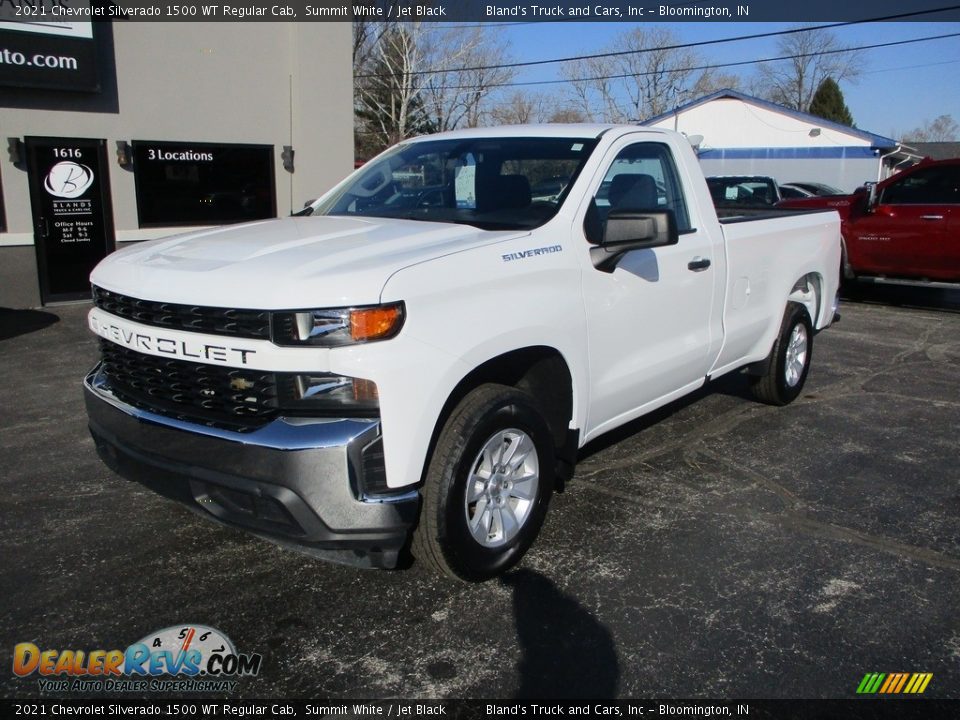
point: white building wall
(743, 138)
(258, 83)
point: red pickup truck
(907, 226)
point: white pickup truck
(416, 357)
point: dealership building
(738, 134)
(122, 131)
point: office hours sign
(73, 223)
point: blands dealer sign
(47, 44)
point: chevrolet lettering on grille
(156, 344)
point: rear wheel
(488, 485)
(846, 270)
(848, 278)
(786, 368)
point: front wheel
(787, 366)
(487, 486)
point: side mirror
(627, 230)
(872, 198)
(865, 197)
(307, 209)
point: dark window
(742, 190)
(932, 186)
(643, 177)
(203, 183)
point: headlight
(340, 326)
(322, 393)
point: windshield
(491, 183)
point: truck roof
(546, 130)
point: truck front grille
(224, 397)
(194, 318)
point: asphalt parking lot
(720, 548)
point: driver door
(649, 321)
(907, 232)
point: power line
(507, 103)
(909, 67)
(711, 66)
(678, 46)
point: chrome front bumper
(301, 482)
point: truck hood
(296, 262)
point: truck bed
(728, 214)
(806, 243)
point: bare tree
(412, 77)
(387, 89)
(815, 55)
(566, 115)
(651, 77)
(362, 40)
(521, 108)
(590, 90)
(941, 129)
(461, 80)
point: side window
(643, 177)
(933, 186)
(951, 185)
(426, 172)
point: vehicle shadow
(735, 384)
(566, 652)
(22, 322)
(911, 296)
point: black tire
(848, 278)
(780, 384)
(846, 270)
(443, 540)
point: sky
(900, 88)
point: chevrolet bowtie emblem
(239, 383)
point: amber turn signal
(375, 323)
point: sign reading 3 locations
(182, 183)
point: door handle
(931, 217)
(43, 228)
(698, 264)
